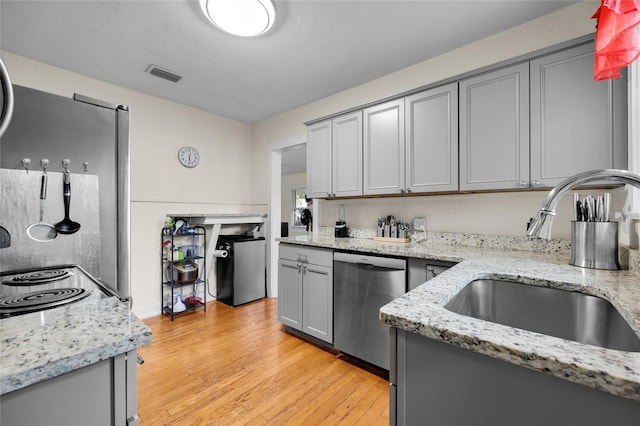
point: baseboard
(153, 309)
(147, 311)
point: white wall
(504, 213)
(159, 184)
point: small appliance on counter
(342, 231)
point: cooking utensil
(579, 216)
(67, 226)
(599, 209)
(42, 231)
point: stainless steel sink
(560, 313)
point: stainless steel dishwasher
(362, 284)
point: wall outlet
(420, 224)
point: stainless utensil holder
(594, 245)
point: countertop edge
(50, 370)
(573, 370)
(42, 345)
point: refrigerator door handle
(7, 99)
(123, 273)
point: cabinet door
(347, 155)
(290, 293)
(384, 148)
(494, 130)
(431, 140)
(319, 160)
(572, 128)
(318, 302)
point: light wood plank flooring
(233, 366)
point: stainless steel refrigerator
(94, 137)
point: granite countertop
(422, 310)
(42, 345)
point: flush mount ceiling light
(245, 18)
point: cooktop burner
(38, 277)
(39, 300)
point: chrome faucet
(540, 227)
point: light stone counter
(422, 310)
(42, 345)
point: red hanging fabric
(617, 40)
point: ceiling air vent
(163, 73)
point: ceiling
(294, 160)
(316, 48)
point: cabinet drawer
(312, 255)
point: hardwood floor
(238, 366)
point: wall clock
(188, 156)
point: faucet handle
(626, 217)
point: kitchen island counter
(422, 311)
(42, 345)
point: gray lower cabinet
(575, 120)
(433, 382)
(104, 393)
(305, 290)
(420, 271)
(290, 293)
(494, 130)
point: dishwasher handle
(371, 262)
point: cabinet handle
(304, 269)
(536, 183)
(402, 190)
(328, 194)
(299, 265)
(408, 190)
(523, 183)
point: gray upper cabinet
(522, 126)
(347, 155)
(494, 130)
(431, 140)
(572, 117)
(319, 138)
(384, 148)
(334, 157)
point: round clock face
(188, 156)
